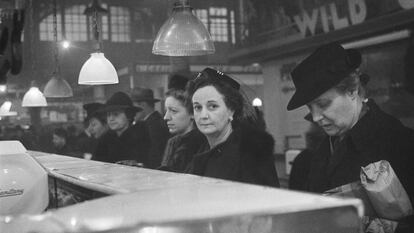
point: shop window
(219, 23)
(46, 28)
(120, 24)
(103, 22)
(76, 23)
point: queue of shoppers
(210, 129)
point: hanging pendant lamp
(183, 34)
(5, 109)
(34, 97)
(57, 87)
(97, 70)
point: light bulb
(257, 102)
(65, 44)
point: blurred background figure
(157, 128)
(94, 127)
(60, 143)
(125, 143)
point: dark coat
(300, 170)
(85, 144)
(181, 149)
(246, 156)
(159, 135)
(132, 144)
(376, 136)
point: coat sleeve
(142, 143)
(257, 162)
(101, 151)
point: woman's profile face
(211, 114)
(336, 113)
(96, 127)
(178, 119)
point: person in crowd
(72, 132)
(24, 136)
(236, 149)
(60, 143)
(157, 128)
(97, 120)
(330, 83)
(125, 143)
(187, 140)
(94, 127)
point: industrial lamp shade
(34, 98)
(183, 34)
(97, 70)
(5, 109)
(57, 87)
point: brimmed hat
(322, 70)
(143, 94)
(92, 110)
(120, 101)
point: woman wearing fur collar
(236, 149)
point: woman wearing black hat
(330, 84)
(95, 126)
(236, 149)
(125, 143)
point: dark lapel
(340, 151)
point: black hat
(322, 70)
(120, 101)
(143, 94)
(212, 73)
(92, 110)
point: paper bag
(354, 190)
(385, 191)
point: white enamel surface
(150, 197)
(34, 98)
(97, 70)
(23, 182)
(189, 203)
(5, 109)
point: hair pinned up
(220, 76)
(234, 97)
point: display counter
(141, 200)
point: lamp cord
(96, 29)
(56, 48)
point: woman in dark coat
(235, 150)
(330, 83)
(187, 139)
(125, 143)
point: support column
(35, 119)
(99, 93)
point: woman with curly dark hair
(236, 149)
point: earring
(231, 118)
